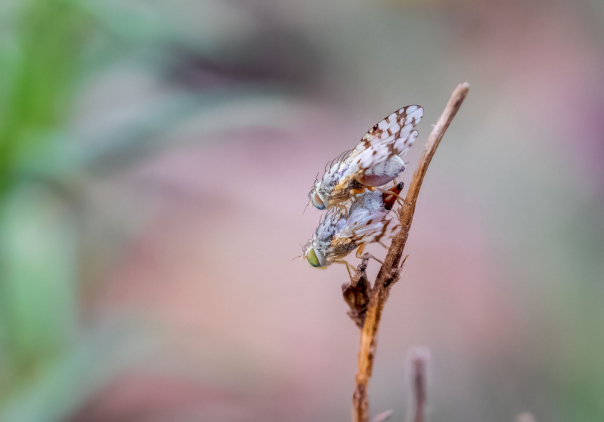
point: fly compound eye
(317, 201)
(312, 258)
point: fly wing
(393, 135)
(389, 228)
(363, 226)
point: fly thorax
(369, 200)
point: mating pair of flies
(354, 191)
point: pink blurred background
(191, 136)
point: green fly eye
(312, 258)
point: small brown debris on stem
(356, 294)
(419, 363)
(389, 272)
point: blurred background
(155, 160)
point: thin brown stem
(419, 363)
(390, 271)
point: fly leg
(341, 261)
(362, 255)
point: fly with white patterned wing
(339, 233)
(376, 160)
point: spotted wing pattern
(387, 229)
(364, 226)
(368, 221)
(393, 135)
(396, 128)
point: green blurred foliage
(41, 63)
(49, 50)
(40, 60)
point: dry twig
(390, 271)
(419, 362)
